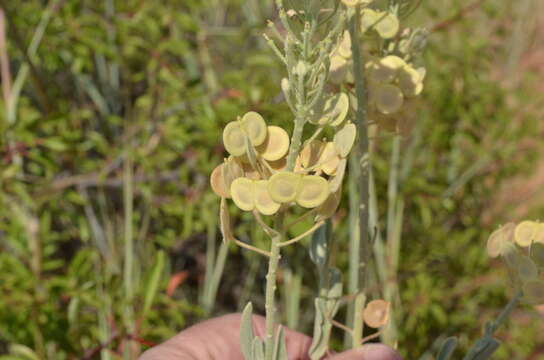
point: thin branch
(303, 235)
(251, 247)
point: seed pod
(337, 109)
(345, 138)
(533, 291)
(263, 202)
(242, 191)
(224, 221)
(385, 70)
(376, 313)
(336, 181)
(537, 253)
(344, 48)
(525, 233)
(498, 238)
(338, 69)
(234, 139)
(217, 182)
(410, 81)
(313, 191)
(328, 208)
(232, 170)
(276, 144)
(278, 165)
(329, 159)
(539, 235)
(310, 154)
(388, 99)
(527, 269)
(388, 25)
(255, 127)
(369, 19)
(283, 186)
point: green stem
(128, 274)
(270, 305)
(363, 148)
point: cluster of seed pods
(255, 176)
(522, 247)
(392, 79)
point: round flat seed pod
(255, 127)
(410, 81)
(345, 138)
(533, 291)
(376, 313)
(232, 170)
(242, 191)
(276, 144)
(263, 202)
(234, 139)
(329, 159)
(338, 69)
(388, 99)
(344, 49)
(313, 191)
(336, 181)
(539, 235)
(328, 208)
(525, 233)
(498, 238)
(310, 154)
(385, 70)
(388, 25)
(369, 19)
(527, 269)
(283, 186)
(339, 105)
(537, 253)
(218, 183)
(511, 255)
(278, 165)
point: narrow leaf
(246, 332)
(447, 348)
(153, 282)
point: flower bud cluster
(522, 247)
(255, 176)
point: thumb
(369, 352)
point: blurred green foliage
(118, 126)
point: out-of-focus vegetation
(108, 228)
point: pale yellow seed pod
(217, 182)
(344, 48)
(385, 70)
(234, 139)
(345, 138)
(388, 25)
(242, 191)
(224, 221)
(527, 269)
(376, 313)
(283, 186)
(263, 202)
(539, 235)
(328, 208)
(533, 291)
(255, 127)
(313, 191)
(336, 181)
(338, 69)
(278, 165)
(410, 81)
(276, 144)
(329, 159)
(369, 19)
(498, 238)
(337, 109)
(310, 154)
(525, 233)
(388, 99)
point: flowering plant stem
(360, 245)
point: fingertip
(369, 352)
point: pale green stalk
(270, 305)
(128, 270)
(362, 248)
